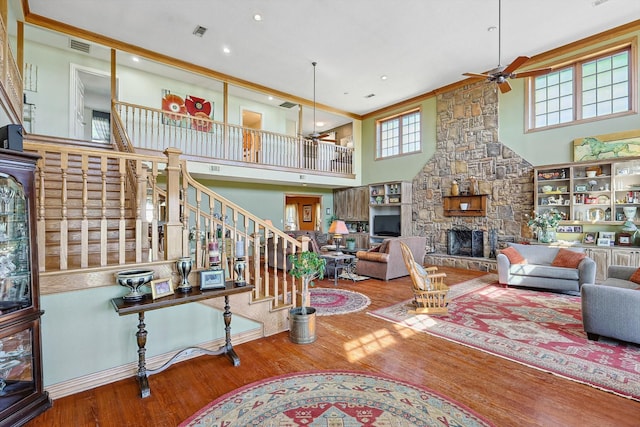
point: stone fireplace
(464, 242)
(468, 151)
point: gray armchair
(610, 309)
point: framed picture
(624, 239)
(610, 235)
(603, 241)
(161, 288)
(307, 213)
(589, 238)
(212, 279)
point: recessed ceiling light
(257, 17)
(319, 124)
(383, 77)
(270, 98)
(226, 50)
(135, 59)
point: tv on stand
(386, 225)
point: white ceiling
(420, 45)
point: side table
(340, 262)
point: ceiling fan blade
(477, 75)
(504, 87)
(532, 73)
(515, 64)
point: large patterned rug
(330, 301)
(333, 399)
(536, 328)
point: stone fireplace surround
(467, 145)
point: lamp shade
(338, 227)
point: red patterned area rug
(334, 398)
(328, 301)
(536, 328)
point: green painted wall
(83, 334)
(555, 145)
(266, 200)
(401, 168)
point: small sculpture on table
(183, 265)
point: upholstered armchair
(385, 261)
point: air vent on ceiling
(288, 104)
(78, 45)
(199, 31)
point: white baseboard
(96, 379)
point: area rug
(333, 398)
(539, 329)
(328, 301)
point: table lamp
(338, 228)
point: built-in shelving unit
(390, 199)
(596, 192)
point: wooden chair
(429, 289)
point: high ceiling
(420, 45)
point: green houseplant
(306, 266)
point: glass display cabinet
(21, 391)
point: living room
(268, 200)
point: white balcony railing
(153, 129)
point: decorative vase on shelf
(546, 236)
(183, 265)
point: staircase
(83, 199)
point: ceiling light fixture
(226, 50)
(135, 59)
(383, 77)
(257, 17)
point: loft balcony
(209, 141)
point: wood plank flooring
(506, 393)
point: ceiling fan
(501, 74)
(315, 136)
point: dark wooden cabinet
(22, 396)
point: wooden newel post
(173, 227)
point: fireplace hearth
(464, 242)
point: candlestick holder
(239, 267)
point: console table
(125, 307)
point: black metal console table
(125, 307)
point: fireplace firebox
(463, 242)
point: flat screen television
(386, 225)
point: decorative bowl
(547, 189)
(134, 280)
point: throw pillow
(635, 277)
(426, 284)
(568, 259)
(514, 256)
(384, 246)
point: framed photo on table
(589, 238)
(624, 239)
(161, 288)
(611, 235)
(212, 279)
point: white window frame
(402, 145)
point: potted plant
(351, 243)
(306, 266)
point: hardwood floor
(506, 393)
